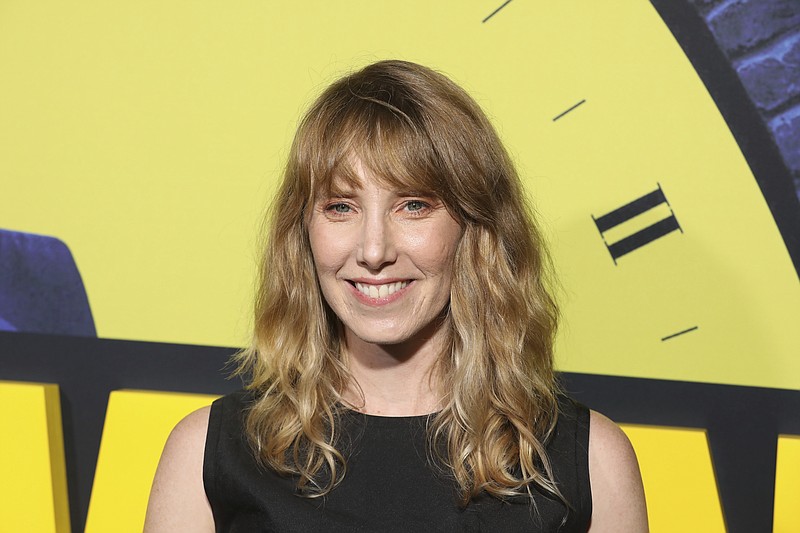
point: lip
(377, 302)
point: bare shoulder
(191, 430)
(177, 500)
(618, 502)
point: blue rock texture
(762, 40)
(772, 76)
(786, 129)
(741, 25)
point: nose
(377, 246)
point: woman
(401, 375)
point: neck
(395, 379)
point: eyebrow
(338, 192)
(417, 192)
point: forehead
(355, 174)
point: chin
(386, 338)
(381, 333)
(393, 333)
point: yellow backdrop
(148, 136)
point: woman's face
(384, 258)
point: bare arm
(178, 500)
(618, 503)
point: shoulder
(618, 502)
(177, 499)
(191, 427)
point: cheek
(328, 252)
(318, 253)
(436, 250)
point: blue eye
(416, 205)
(339, 208)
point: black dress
(389, 485)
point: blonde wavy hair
(413, 128)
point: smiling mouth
(380, 291)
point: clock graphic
(671, 260)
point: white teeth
(381, 291)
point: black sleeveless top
(390, 485)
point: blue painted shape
(41, 290)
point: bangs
(390, 144)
